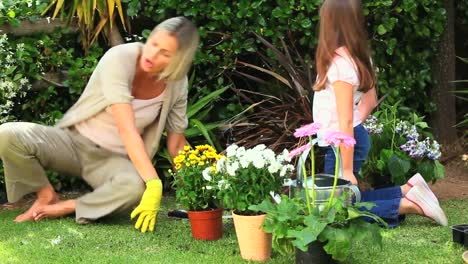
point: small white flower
(9, 59)
(220, 164)
(286, 169)
(259, 147)
(269, 155)
(24, 81)
(20, 46)
(209, 187)
(240, 152)
(259, 162)
(244, 162)
(206, 174)
(231, 150)
(251, 155)
(232, 168)
(274, 167)
(284, 156)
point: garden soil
(455, 183)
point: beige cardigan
(111, 82)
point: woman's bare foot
(55, 210)
(45, 196)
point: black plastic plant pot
(314, 254)
(460, 234)
(466, 239)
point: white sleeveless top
(324, 111)
(102, 129)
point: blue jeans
(387, 200)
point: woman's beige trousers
(28, 149)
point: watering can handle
(302, 160)
(356, 192)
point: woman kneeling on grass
(109, 136)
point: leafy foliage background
(404, 36)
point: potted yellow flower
(196, 185)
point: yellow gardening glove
(149, 206)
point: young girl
(345, 95)
(109, 136)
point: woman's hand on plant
(149, 206)
(349, 175)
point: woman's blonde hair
(187, 37)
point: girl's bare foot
(55, 210)
(45, 196)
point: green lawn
(116, 241)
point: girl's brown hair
(342, 25)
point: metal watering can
(323, 184)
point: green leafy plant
(338, 223)
(400, 148)
(194, 183)
(13, 11)
(248, 176)
(339, 227)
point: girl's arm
(344, 108)
(133, 142)
(367, 104)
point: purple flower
(433, 149)
(337, 137)
(419, 150)
(401, 127)
(299, 150)
(307, 130)
(409, 146)
(372, 125)
(412, 133)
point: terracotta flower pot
(254, 243)
(206, 225)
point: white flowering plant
(13, 84)
(250, 176)
(400, 147)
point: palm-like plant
(461, 94)
(94, 17)
(273, 117)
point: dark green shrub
(404, 37)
